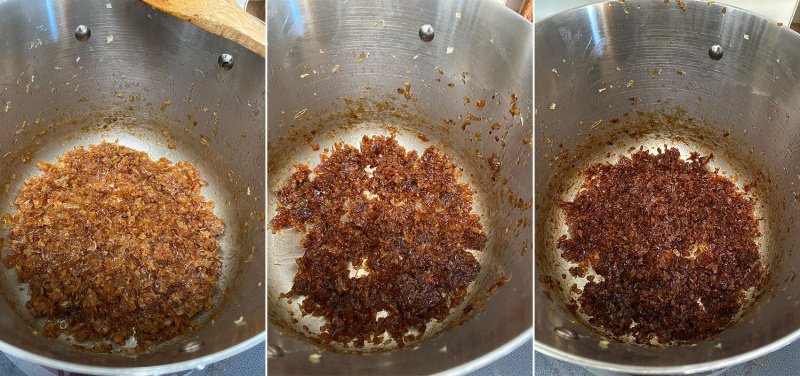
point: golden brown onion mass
(113, 243)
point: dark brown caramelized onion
(674, 243)
(403, 219)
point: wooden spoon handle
(526, 10)
(221, 17)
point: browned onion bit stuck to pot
(407, 224)
(114, 244)
(674, 243)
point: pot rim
(490, 357)
(660, 370)
(151, 370)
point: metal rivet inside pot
(565, 333)
(225, 61)
(274, 351)
(82, 33)
(426, 33)
(192, 346)
(715, 52)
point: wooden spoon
(526, 10)
(221, 17)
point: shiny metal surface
(426, 33)
(83, 33)
(651, 61)
(225, 61)
(329, 61)
(149, 81)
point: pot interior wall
(334, 76)
(152, 83)
(640, 73)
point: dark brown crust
(112, 242)
(637, 223)
(412, 237)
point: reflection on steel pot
(697, 76)
(77, 73)
(340, 70)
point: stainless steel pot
(334, 70)
(140, 73)
(697, 75)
